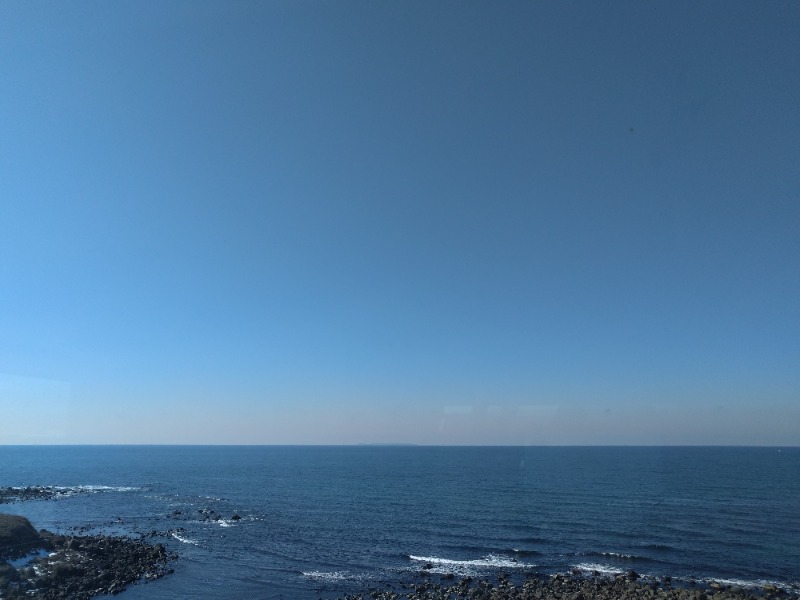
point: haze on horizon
(433, 223)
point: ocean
(311, 521)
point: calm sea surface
(324, 521)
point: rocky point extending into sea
(39, 564)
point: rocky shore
(627, 586)
(9, 495)
(43, 565)
(23, 494)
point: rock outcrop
(17, 537)
(74, 567)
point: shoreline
(427, 577)
(576, 586)
(45, 565)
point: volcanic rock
(17, 537)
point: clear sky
(421, 222)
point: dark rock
(26, 494)
(562, 588)
(8, 574)
(78, 568)
(17, 537)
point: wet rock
(561, 587)
(78, 568)
(25, 494)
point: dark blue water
(332, 520)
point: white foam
(743, 583)
(617, 555)
(600, 568)
(332, 576)
(467, 567)
(225, 523)
(108, 488)
(185, 540)
(755, 583)
(75, 489)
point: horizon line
(391, 445)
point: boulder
(7, 575)
(17, 537)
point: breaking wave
(471, 566)
(185, 540)
(331, 576)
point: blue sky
(436, 223)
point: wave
(331, 576)
(220, 521)
(185, 540)
(753, 583)
(98, 488)
(622, 556)
(523, 552)
(598, 567)
(471, 566)
(497, 550)
(535, 540)
(611, 570)
(659, 547)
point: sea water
(324, 521)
